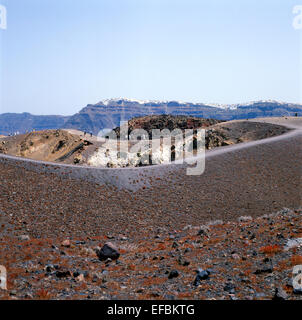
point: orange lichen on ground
(271, 249)
(296, 260)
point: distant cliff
(109, 113)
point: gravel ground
(225, 261)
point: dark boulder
(109, 250)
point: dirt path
(134, 179)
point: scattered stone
(63, 274)
(252, 237)
(187, 250)
(175, 245)
(229, 287)
(183, 262)
(173, 274)
(108, 251)
(66, 243)
(266, 267)
(80, 278)
(201, 275)
(235, 256)
(50, 267)
(80, 242)
(24, 237)
(203, 231)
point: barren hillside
(48, 145)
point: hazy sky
(57, 56)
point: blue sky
(57, 56)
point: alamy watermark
(297, 278)
(3, 278)
(297, 22)
(141, 148)
(3, 17)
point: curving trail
(246, 179)
(135, 178)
